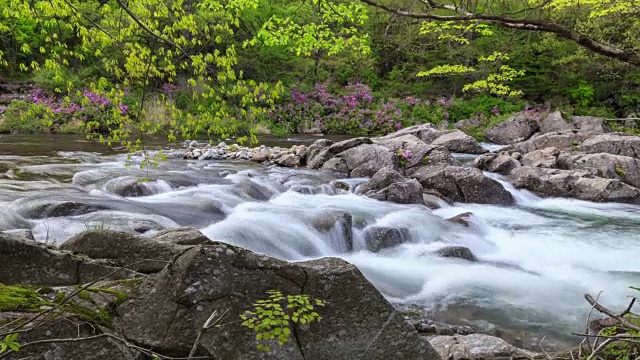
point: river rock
(616, 144)
(361, 161)
(477, 347)
(462, 219)
(568, 140)
(554, 122)
(254, 190)
(579, 184)
(138, 253)
(70, 327)
(29, 262)
(459, 252)
(589, 124)
(546, 158)
(54, 208)
(261, 154)
(389, 185)
(378, 238)
(340, 221)
(604, 165)
(497, 163)
(462, 184)
(20, 233)
(128, 186)
(513, 130)
(288, 160)
(459, 142)
(427, 133)
(181, 236)
(357, 323)
(318, 153)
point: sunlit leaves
(273, 318)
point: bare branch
(618, 317)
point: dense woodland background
(220, 67)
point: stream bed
(538, 258)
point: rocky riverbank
(107, 294)
(555, 157)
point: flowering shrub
(43, 113)
(354, 111)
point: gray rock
(425, 132)
(124, 249)
(340, 221)
(20, 233)
(288, 160)
(29, 262)
(554, 122)
(389, 185)
(512, 130)
(361, 161)
(358, 323)
(318, 153)
(181, 236)
(459, 142)
(568, 140)
(461, 184)
(616, 144)
(210, 154)
(261, 154)
(589, 124)
(496, 163)
(462, 219)
(254, 190)
(579, 184)
(604, 165)
(378, 238)
(546, 158)
(477, 347)
(128, 187)
(421, 153)
(70, 327)
(459, 252)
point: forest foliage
(119, 69)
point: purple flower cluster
(170, 90)
(2, 109)
(96, 99)
(353, 111)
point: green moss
(121, 296)
(411, 313)
(20, 298)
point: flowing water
(538, 258)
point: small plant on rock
(273, 318)
(403, 157)
(9, 343)
(619, 171)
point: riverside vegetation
(118, 71)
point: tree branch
(628, 56)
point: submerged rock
(378, 238)
(342, 221)
(459, 252)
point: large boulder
(616, 144)
(477, 347)
(513, 130)
(181, 236)
(579, 184)
(361, 161)
(138, 253)
(95, 346)
(357, 322)
(459, 142)
(389, 185)
(546, 158)
(377, 238)
(589, 124)
(462, 184)
(421, 153)
(425, 132)
(567, 140)
(29, 262)
(604, 165)
(496, 163)
(554, 122)
(318, 153)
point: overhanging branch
(630, 57)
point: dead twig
(619, 317)
(207, 325)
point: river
(550, 251)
